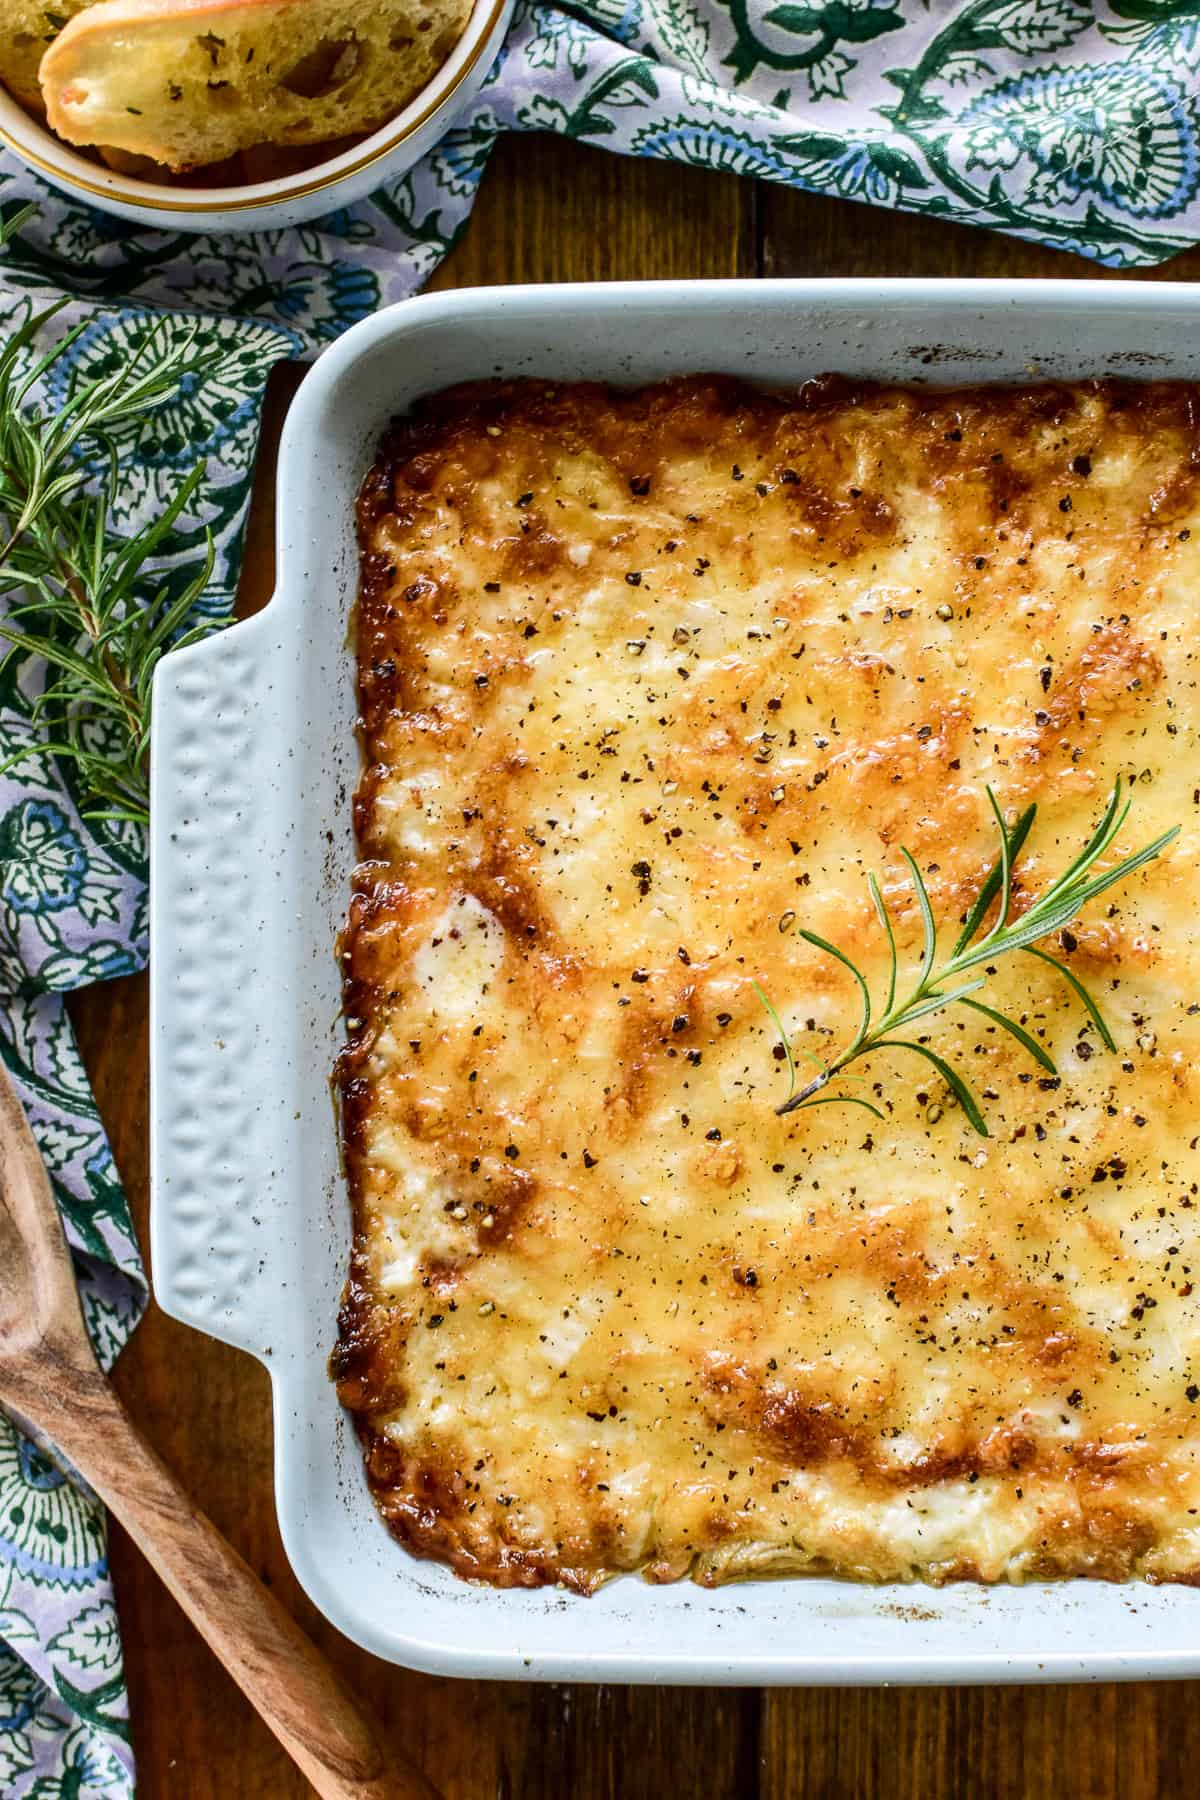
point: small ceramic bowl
(308, 194)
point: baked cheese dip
(650, 682)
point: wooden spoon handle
(275, 1665)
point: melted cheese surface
(648, 682)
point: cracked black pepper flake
(634, 578)
(511, 1151)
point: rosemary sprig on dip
(938, 987)
(81, 595)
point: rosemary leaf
(1038, 1053)
(987, 893)
(926, 917)
(936, 1000)
(81, 595)
(949, 1075)
(936, 989)
(1072, 980)
(821, 943)
(841, 1100)
(783, 1038)
(885, 919)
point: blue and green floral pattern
(73, 910)
(1072, 122)
(1075, 123)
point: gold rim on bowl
(243, 202)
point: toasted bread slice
(189, 82)
(26, 28)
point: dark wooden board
(551, 211)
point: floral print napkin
(1074, 123)
(72, 911)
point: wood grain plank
(812, 234)
(547, 211)
(1139, 1741)
(553, 210)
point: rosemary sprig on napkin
(81, 595)
(939, 987)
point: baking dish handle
(218, 838)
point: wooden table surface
(551, 211)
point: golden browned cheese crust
(648, 681)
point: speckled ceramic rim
(63, 165)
